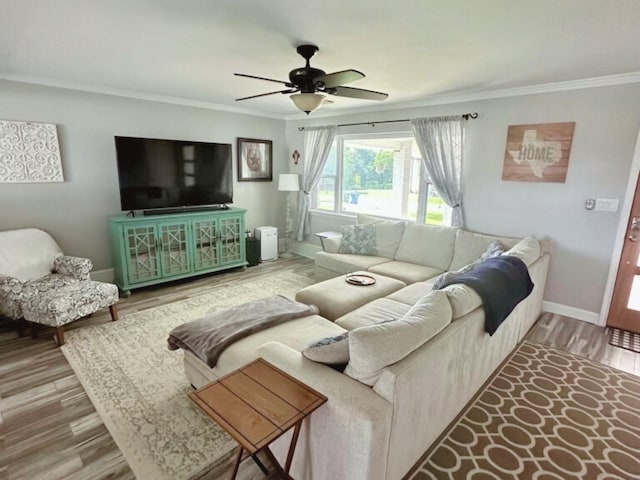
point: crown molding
(134, 94)
(448, 98)
(475, 95)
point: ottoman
(335, 297)
(68, 303)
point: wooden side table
(256, 404)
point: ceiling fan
(310, 86)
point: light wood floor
(50, 430)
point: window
(379, 175)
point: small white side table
(323, 235)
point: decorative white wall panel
(29, 153)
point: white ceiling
(411, 49)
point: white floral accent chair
(41, 285)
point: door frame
(625, 211)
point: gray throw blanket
(502, 282)
(208, 336)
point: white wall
(607, 120)
(75, 211)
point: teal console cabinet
(153, 249)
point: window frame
(423, 188)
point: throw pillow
(329, 350)
(358, 239)
(528, 250)
(493, 250)
(447, 277)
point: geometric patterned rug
(624, 339)
(546, 415)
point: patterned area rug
(547, 415)
(624, 339)
(139, 387)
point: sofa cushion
(469, 246)
(493, 250)
(407, 272)
(296, 334)
(388, 234)
(428, 245)
(528, 250)
(377, 311)
(330, 350)
(335, 297)
(346, 263)
(412, 293)
(463, 299)
(358, 239)
(374, 347)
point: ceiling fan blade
(288, 84)
(357, 93)
(335, 79)
(289, 90)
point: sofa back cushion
(463, 299)
(428, 245)
(528, 250)
(373, 348)
(388, 233)
(469, 247)
(27, 254)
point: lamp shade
(307, 102)
(288, 182)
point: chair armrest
(12, 293)
(76, 267)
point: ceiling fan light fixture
(307, 102)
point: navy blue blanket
(501, 282)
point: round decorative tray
(360, 279)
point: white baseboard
(306, 249)
(105, 275)
(573, 312)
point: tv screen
(156, 173)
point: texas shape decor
(538, 153)
(29, 153)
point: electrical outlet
(606, 204)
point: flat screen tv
(173, 174)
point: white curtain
(317, 143)
(441, 142)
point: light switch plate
(606, 204)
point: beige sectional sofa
(378, 425)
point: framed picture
(538, 152)
(255, 161)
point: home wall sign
(538, 152)
(29, 153)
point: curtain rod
(466, 116)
